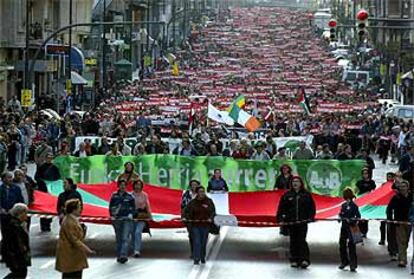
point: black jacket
(398, 208)
(283, 183)
(64, 197)
(46, 172)
(16, 242)
(349, 210)
(365, 186)
(294, 206)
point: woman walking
(144, 214)
(71, 251)
(347, 248)
(297, 205)
(200, 211)
(16, 242)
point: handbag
(356, 235)
(214, 229)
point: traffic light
(362, 23)
(332, 30)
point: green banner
(326, 177)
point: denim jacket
(122, 205)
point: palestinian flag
(233, 208)
(303, 100)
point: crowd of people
(263, 54)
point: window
(406, 113)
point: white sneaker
(137, 254)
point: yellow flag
(175, 69)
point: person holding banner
(200, 213)
(217, 183)
(129, 174)
(365, 185)
(187, 197)
(122, 209)
(398, 210)
(143, 214)
(347, 243)
(297, 208)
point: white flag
(219, 116)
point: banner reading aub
(327, 177)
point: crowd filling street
(285, 76)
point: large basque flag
(252, 209)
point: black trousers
(72, 275)
(347, 248)
(363, 227)
(299, 249)
(45, 224)
(392, 239)
(383, 231)
(190, 239)
(20, 273)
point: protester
(397, 210)
(143, 215)
(69, 193)
(46, 172)
(303, 153)
(369, 161)
(15, 243)
(365, 185)
(284, 179)
(347, 248)
(325, 154)
(25, 187)
(122, 210)
(187, 197)
(260, 154)
(281, 154)
(383, 226)
(42, 152)
(201, 209)
(71, 250)
(129, 174)
(217, 183)
(10, 194)
(297, 205)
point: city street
(127, 107)
(235, 253)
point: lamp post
(70, 42)
(103, 45)
(26, 50)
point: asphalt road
(235, 253)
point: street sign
(91, 61)
(26, 99)
(53, 49)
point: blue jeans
(122, 231)
(136, 235)
(200, 237)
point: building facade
(44, 17)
